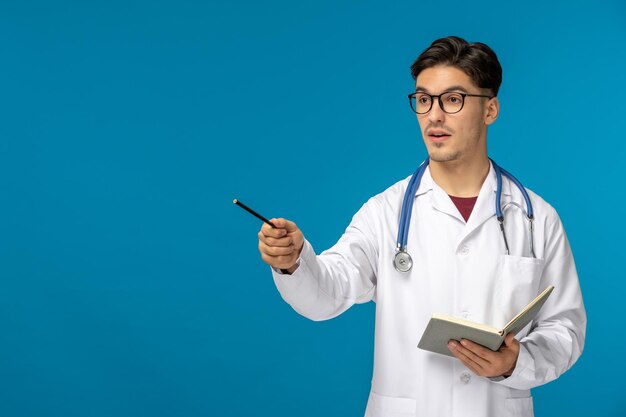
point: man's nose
(436, 113)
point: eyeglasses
(450, 102)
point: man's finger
(275, 232)
(281, 261)
(272, 241)
(461, 352)
(480, 351)
(276, 250)
(471, 365)
(285, 224)
(510, 340)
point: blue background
(130, 285)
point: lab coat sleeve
(324, 286)
(557, 334)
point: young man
(462, 265)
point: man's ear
(492, 110)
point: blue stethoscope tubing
(403, 262)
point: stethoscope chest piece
(402, 261)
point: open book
(441, 329)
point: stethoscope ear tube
(529, 207)
(532, 234)
(400, 244)
(403, 233)
(499, 215)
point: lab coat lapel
(439, 198)
(485, 207)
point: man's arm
(322, 287)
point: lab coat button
(465, 315)
(464, 250)
(465, 377)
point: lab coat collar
(485, 204)
(428, 183)
(439, 198)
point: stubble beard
(440, 155)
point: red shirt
(465, 205)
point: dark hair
(476, 59)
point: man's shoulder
(391, 194)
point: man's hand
(485, 362)
(280, 247)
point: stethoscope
(403, 262)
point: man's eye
(454, 99)
(423, 99)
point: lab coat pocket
(383, 406)
(519, 407)
(519, 279)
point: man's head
(453, 65)
(477, 60)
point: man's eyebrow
(451, 88)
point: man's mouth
(438, 135)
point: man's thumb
(281, 223)
(290, 226)
(509, 339)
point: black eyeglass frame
(432, 97)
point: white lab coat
(459, 269)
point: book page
(528, 313)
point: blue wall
(129, 283)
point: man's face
(464, 133)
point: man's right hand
(280, 247)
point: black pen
(254, 213)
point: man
(461, 264)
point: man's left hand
(485, 362)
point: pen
(254, 213)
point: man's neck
(460, 178)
